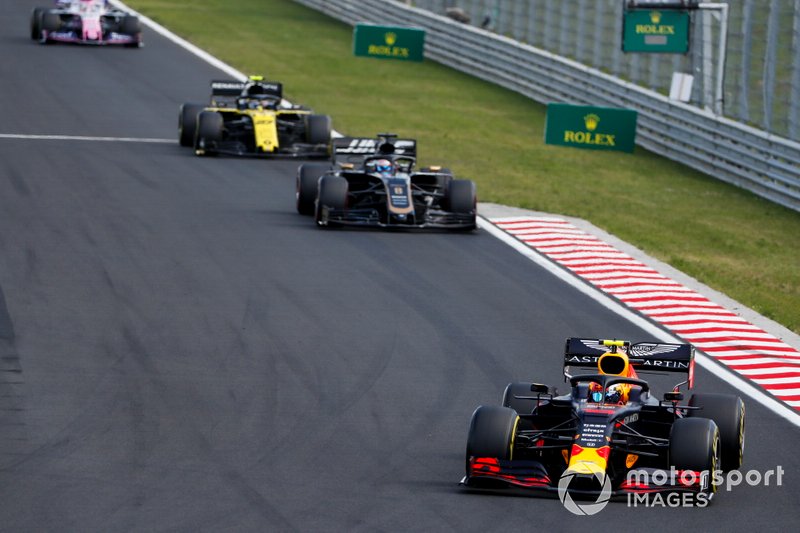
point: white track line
(85, 138)
(715, 368)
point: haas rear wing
(356, 149)
(642, 356)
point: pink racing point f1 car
(85, 22)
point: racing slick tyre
(520, 405)
(727, 411)
(694, 444)
(187, 123)
(36, 22)
(308, 175)
(130, 25)
(460, 196)
(209, 131)
(318, 129)
(445, 176)
(331, 193)
(491, 433)
(50, 21)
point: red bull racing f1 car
(251, 118)
(374, 182)
(609, 434)
(85, 22)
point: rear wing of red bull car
(648, 357)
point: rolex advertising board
(595, 128)
(649, 30)
(389, 42)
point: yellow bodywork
(265, 124)
(588, 461)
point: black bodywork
(410, 198)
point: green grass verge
(741, 245)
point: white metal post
(722, 16)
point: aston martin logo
(655, 17)
(391, 38)
(593, 344)
(643, 349)
(591, 121)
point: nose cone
(588, 461)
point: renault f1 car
(373, 182)
(251, 118)
(609, 434)
(85, 22)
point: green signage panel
(647, 30)
(595, 128)
(389, 42)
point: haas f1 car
(251, 118)
(85, 22)
(609, 435)
(373, 182)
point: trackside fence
(765, 164)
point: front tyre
(308, 175)
(694, 444)
(187, 123)
(209, 131)
(50, 21)
(130, 25)
(491, 434)
(36, 22)
(461, 199)
(331, 194)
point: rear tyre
(187, 123)
(694, 444)
(521, 406)
(331, 194)
(318, 129)
(491, 433)
(209, 131)
(443, 180)
(308, 175)
(727, 411)
(36, 23)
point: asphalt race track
(181, 351)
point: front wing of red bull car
(90, 22)
(589, 445)
(351, 193)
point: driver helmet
(384, 167)
(616, 394)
